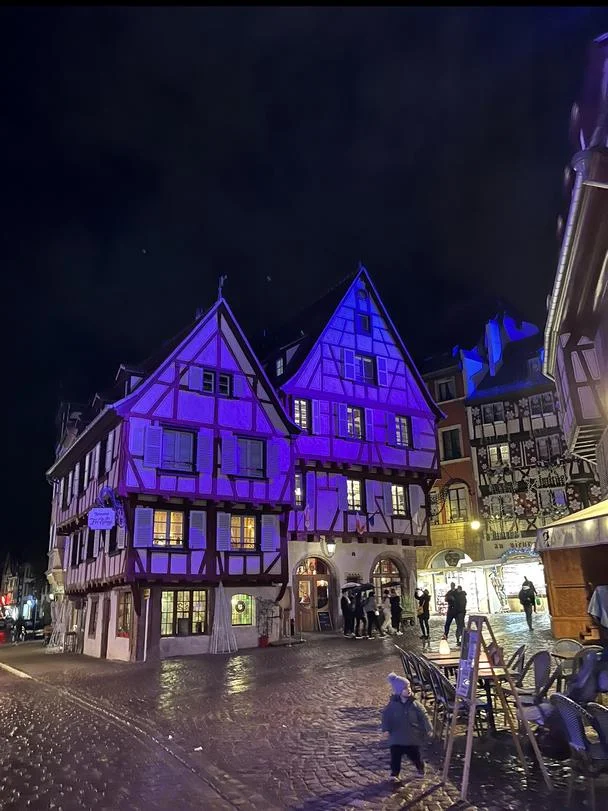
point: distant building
(366, 456)
(502, 445)
(453, 507)
(576, 350)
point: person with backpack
(460, 606)
(407, 724)
(527, 598)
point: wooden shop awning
(588, 527)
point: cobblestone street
(282, 728)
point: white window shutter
(348, 364)
(311, 490)
(75, 480)
(229, 465)
(136, 438)
(341, 419)
(153, 446)
(121, 540)
(381, 371)
(369, 424)
(204, 451)
(61, 490)
(96, 543)
(52, 537)
(316, 417)
(370, 496)
(198, 529)
(143, 533)
(87, 467)
(223, 532)
(185, 447)
(342, 494)
(70, 485)
(387, 495)
(239, 386)
(195, 378)
(271, 537)
(109, 451)
(272, 459)
(391, 430)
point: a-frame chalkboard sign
(466, 696)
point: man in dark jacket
(460, 608)
(396, 612)
(527, 597)
(407, 724)
(359, 617)
(451, 612)
(348, 613)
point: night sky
(148, 151)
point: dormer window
(493, 412)
(280, 366)
(362, 294)
(208, 382)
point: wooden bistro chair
(586, 758)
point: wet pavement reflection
(285, 728)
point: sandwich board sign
(101, 518)
(466, 697)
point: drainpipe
(563, 258)
(146, 629)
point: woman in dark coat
(424, 602)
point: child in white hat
(407, 724)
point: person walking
(372, 613)
(386, 613)
(460, 608)
(424, 613)
(527, 597)
(451, 612)
(359, 617)
(407, 724)
(396, 612)
(348, 614)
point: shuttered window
(250, 457)
(301, 411)
(354, 422)
(398, 499)
(353, 489)
(168, 528)
(178, 448)
(124, 614)
(243, 533)
(402, 432)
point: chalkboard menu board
(469, 653)
(324, 621)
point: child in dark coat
(407, 724)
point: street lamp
(475, 525)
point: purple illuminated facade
(367, 454)
(199, 455)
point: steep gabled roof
(304, 330)
(167, 351)
(514, 375)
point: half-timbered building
(193, 456)
(366, 456)
(576, 350)
(526, 476)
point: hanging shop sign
(101, 518)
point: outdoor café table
(450, 661)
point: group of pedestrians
(364, 619)
(456, 600)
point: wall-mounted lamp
(331, 548)
(327, 547)
(475, 525)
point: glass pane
(176, 530)
(235, 531)
(248, 532)
(166, 613)
(199, 612)
(242, 609)
(160, 527)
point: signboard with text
(469, 651)
(101, 518)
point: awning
(588, 527)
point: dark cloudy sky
(148, 151)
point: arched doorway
(313, 586)
(386, 573)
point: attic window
(280, 366)
(362, 294)
(363, 323)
